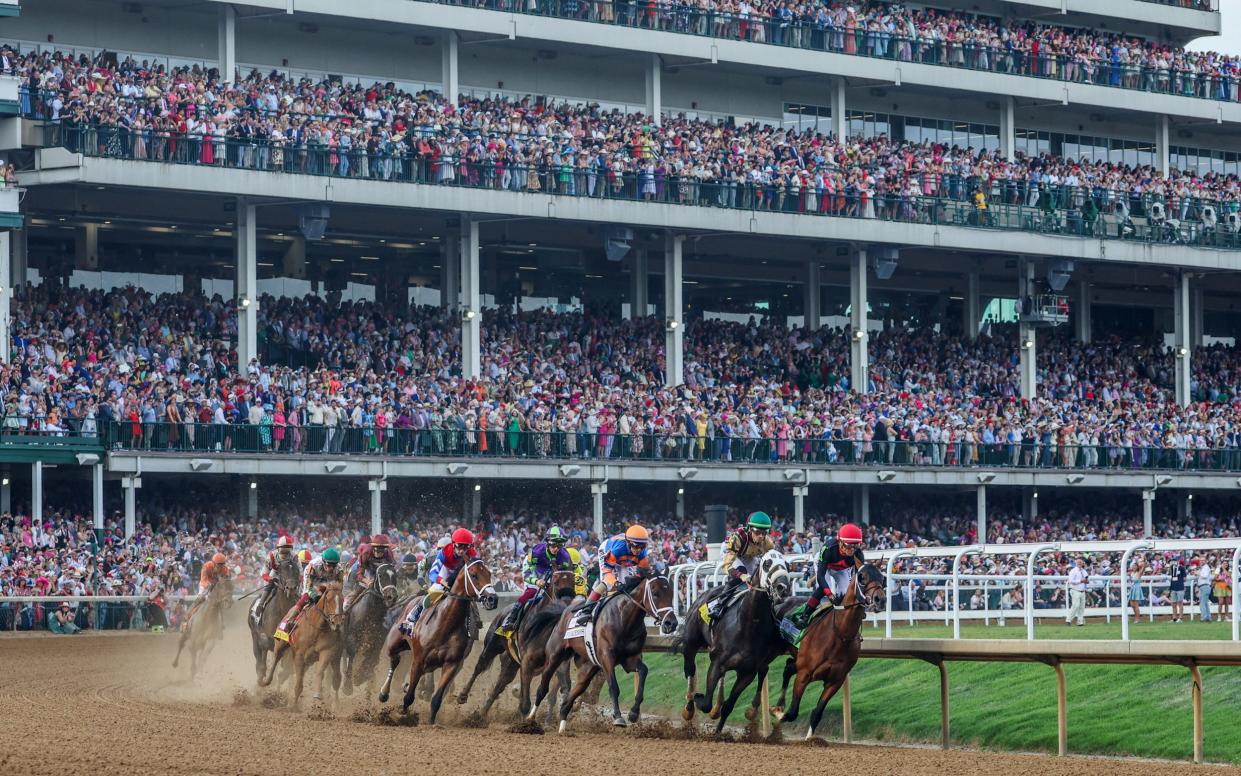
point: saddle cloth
(586, 633)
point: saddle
(714, 609)
(589, 613)
(792, 634)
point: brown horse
(619, 636)
(829, 649)
(525, 650)
(440, 638)
(317, 638)
(206, 626)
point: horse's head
(773, 576)
(654, 594)
(385, 583)
(870, 588)
(288, 576)
(563, 584)
(331, 604)
(222, 592)
(474, 582)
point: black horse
(744, 639)
(288, 579)
(365, 627)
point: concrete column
(20, 261)
(36, 492)
(247, 285)
(861, 504)
(812, 303)
(674, 326)
(449, 66)
(1163, 142)
(6, 294)
(980, 513)
(1028, 344)
(1008, 128)
(96, 478)
(86, 247)
(972, 308)
(1185, 506)
(450, 273)
(859, 355)
(654, 89)
(252, 499)
(226, 40)
(1082, 313)
(131, 485)
(293, 264)
(1148, 501)
(799, 507)
(1196, 313)
(471, 300)
(639, 284)
(597, 491)
(1029, 504)
(1183, 349)
(680, 503)
(377, 487)
(473, 501)
(839, 108)
(6, 494)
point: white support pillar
(1196, 313)
(377, 487)
(226, 41)
(861, 504)
(247, 285)
(674, 326)
(252, 499)
(972, 309)
(450, 273)
(471, 301)
(1185, 505)
(859, 355)
(36, 493)
(597, 491)
(1082, 316)
(639, 284)
(680, 502)
(813, 295)
(1163, 142)
(1148, 501)
(472, 503)
(1027, 341)
(799, 507)
(1008, 128)
(1029, 504)
(980, 514)
(86, 247)
(131, 485)
(6, 294)
(654, 89)
(6, 494)
(96, 476)
(1183, 350)
(449, 66)
(840, 113)
(20, 262)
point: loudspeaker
(717, 522)
(312, 220)
(1058, 273)
(616, 241)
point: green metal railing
(961, 200)
(451, 442)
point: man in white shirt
(1204, 579)
(1077, 592)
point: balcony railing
(1010, 205)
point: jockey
(447, 563)
(834, 571)
(542, 561)
(579, 572)
(321, 570)
(213, 571)
(429, 561)
(271, 569)
(303, 558)
(407, 574)
(744, 547)
(618, 559)
(375, 551)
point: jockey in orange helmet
(834, 571)
(280, 557)
(213, 571)
(618, 559)
(448, 561)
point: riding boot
(800, 616)
(264, 599)
(505, 628)
(407, 627)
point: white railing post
(1124, 585)
(1030, 586)
(956, 585)
(887, 627)
(1236, 595)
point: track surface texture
(113, 704)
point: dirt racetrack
(112, 704)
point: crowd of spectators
(136, 109)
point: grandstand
(819, 252)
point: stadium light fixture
(5, 482)
(467, 314)
(672, 324)
(335, 467)
(477, 487)
(1027, 344)
(680, 491)
(254, 485)
(569, 469)
(1073, 479)
(244, 301)
(985, 478)
(87, 459)
(456, 469)
(858, 335)
(1182, 352)
(886, 475)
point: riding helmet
(330, 555)
(759, 520)
(850, 534)
(636, 534)
(555, 535)
(463, 536)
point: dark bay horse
(364, 625)
(744, 639)
(206, 627)
(618, 638)
(316, 639)
(288, 580)
(526, 647)
(829, 649)
(441, 636)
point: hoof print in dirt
(274, 700)
(320, 713)
(474, 719)
(391, 717)
(529, 728)
(241, 697)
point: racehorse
(206, 627)
(829, 649)
(441, 638)
(745, 638)
(525, 648)
(317, 638)
(616, 637)
(261, 630)
(364, 625)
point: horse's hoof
(809, 734)
(619, 722)
(383, 697)
(788, 717)
(564, 725)
(687, 713)
(702, 702)
(750, 714)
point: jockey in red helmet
(834, 571)
(448, 561)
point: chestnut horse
(206, 627)
(316, 639)
(441, 636)
(829, 649)
(619, 636)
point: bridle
(375, 589)
(860, 597)
(767, 579)
(333, 620)
(473, 592)
(648, 603)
